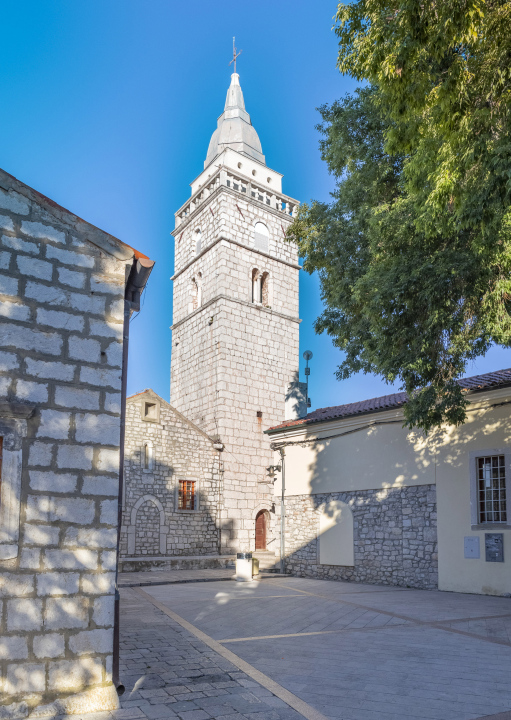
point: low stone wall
(394, 535)
(176, 563)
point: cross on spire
(234, 55)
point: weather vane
(234, 56)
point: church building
(234, 456)
(234, 359)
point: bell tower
(235, 325)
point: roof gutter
(137, 279)
(319, 421)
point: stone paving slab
(168, 673)
(405, 655)
(356, 653)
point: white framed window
(491, 489)
(261, 237)
(490, 472)
(198, 241)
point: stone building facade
(163, 451)
(394, 537)
(64, 286)
(235, 326)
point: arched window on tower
(195, 295)
(198, 241)
(147, 456)
(265, 289)
(256, 286)
(199, 289)
(196, 292)
(261, 237)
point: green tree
(414, 251)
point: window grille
(186, 499)
(491, 485)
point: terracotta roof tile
(391, 402)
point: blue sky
(108, 107)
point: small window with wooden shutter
(187, 495)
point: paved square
(314, 649)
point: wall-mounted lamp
(273, 469)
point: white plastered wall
(486, 429)
(390, 456)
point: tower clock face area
(235, 325)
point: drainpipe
(139, 274)
(283, 513)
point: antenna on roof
(307, 355)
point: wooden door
(260, 538)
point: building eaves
(477, 383)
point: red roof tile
(391, 402)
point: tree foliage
(414, 251)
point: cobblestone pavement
(350, 651)
(169, 673)
(288, 648)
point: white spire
(235, 129)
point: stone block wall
(232, 215)
(61, 315)
(233, 359)
(153, 526)
(226, 271)
(395, 537)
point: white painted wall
(381, 456)
(264, 176)
(390, 456)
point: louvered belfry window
(491, 486)
(186, 499)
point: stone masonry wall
(232, 359)
(232, 215)
(395, 537)
(151, 518)
(61, 308)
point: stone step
(266, 559)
